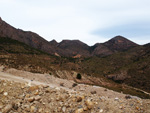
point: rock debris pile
(22, 98)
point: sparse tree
(79, 76)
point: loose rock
(7, 108)
(89, 104)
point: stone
(7, 108)
(120, 107)
(26, 107)
(5, 94)
(1, 106)
(15, 106)
(79, 99)
(105, 89)
(93, 92)
(37, 98)
(89, 104)
(101, 110)
(36, 92)
(29, 84)
(127, 97)
(33, 88)
(40, 110)
(57, 88)
(79, 110)
(47, 90)
(137, 108)
(33, 109)
(45, 86)
(116, 99)
(85, 108)
(31, 99)
(64, 109)
(22, 86)
(74, 99)
(80, 106)
(1, 91)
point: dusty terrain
(46, 79)
(25, 92)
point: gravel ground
(25, 92)
(18, 97)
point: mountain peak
(119, 43)
(1, 20)
(119, 37)
(53, 42)
(77, 41)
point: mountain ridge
(68, 48)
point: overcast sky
(90, 21)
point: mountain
(118, 59)
(74, 47)
(130, 67)
(53, 42)
(116, 44)
(68, 48)
(27, 37)
(100, 49)
(119, 43)
(8, 45)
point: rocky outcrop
(120, 77)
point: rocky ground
(22, 95)
(18, 97)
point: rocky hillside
(130, 67)
(24, 97)
(74, 47)
(27, 37)
(120, 60)
(69, 48)
(119, 43)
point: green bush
(79, 76)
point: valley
(116, 71)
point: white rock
(29, 83)
(57, 88)
(64, 109)
(116, 99)
(101, 111)
(5, 93)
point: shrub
(74, 84)
(79, 76)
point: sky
(90, 21)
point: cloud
(134, 29)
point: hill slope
(27, 37)
(130, 67)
